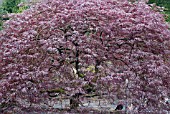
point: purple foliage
(70, 43)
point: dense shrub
(71, 46)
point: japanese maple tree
(116, 48)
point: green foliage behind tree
(163, 3)
(2, 12)
(11, 6)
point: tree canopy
(71, 44)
